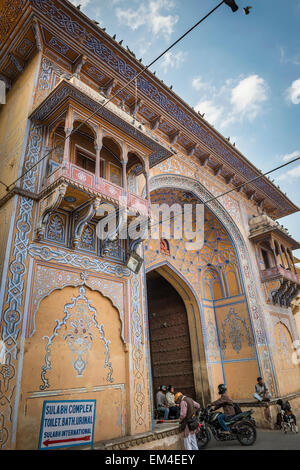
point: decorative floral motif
(88, 240)
(212, 340)
(283, 346)
(234, 325)
(79, 338)
(47, 279)
(81, 316)
(55, 229)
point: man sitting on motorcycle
(228, 408)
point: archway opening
(170, 346)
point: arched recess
(76, 353)
(49, 279)
(255, 308)
(212, 284)
(288, 372)
(189, 298)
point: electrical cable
(116, 94)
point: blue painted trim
(228, 361)
(148, 341)
(21, 356)
(219, 344)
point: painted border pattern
(12, 315)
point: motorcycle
(242, 428)
(288, 423)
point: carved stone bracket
(218, 169)
(78, 65)
(6, 80)
(285, 293)
(117, 228)
(155, 123)
(174, 137)
(134, 242)
(191, 150)
(82, 220)
(47, 205)
(134, 107)
(107, 88)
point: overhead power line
(236, 187)
(112, 97)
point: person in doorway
(188, 409)
(228, 408)
(161, 401)
(261, 391)
(174, 410)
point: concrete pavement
(266, 440)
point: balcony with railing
(85, 180)
(274, 247)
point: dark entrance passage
(171, 358)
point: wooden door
(171, 358)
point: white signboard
(67, 423)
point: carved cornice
(99, 44)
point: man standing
(161, 401)
(188, 408)
(261, 391)
(227, 404)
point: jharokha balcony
(108, 154)
(274, 247)
(99, 155)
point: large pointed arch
(264, 358)
(189, 297)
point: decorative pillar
(68, 131)
(124, 166)
(98, 147)
(292, 259)
(287, 259)
(97, 169)
(280, 252)
(272, 244)
(146, 174)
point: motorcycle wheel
(203, 437)
(246, 434)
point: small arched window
(164, 246)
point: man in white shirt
(261, 391)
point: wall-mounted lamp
(134, 262)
